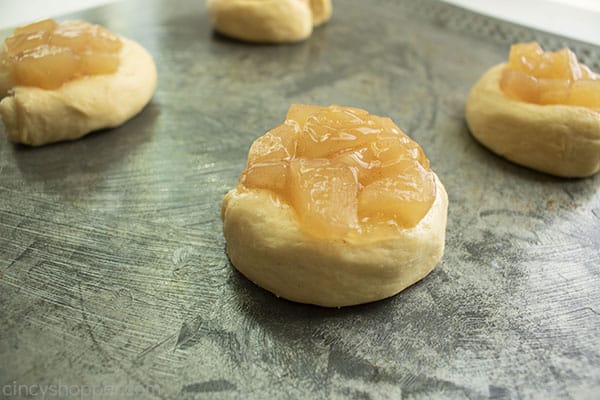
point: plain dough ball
(35, 116)
(321, 11)
(265, 243)
(557, 139)
(271, 21)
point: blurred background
(577, 19)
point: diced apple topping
(539, 77)
(341, 169)
(47, 54)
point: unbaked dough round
(35, 116)
(269, 21)
(266, 244)
(561, 140)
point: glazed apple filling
(342, 170)
(47, 54)
(534, 76)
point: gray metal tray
(113, 275)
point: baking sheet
(113, 275)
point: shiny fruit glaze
(343, 171)
(539, 77)
(47, 54)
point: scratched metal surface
(112, 265)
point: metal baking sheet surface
(113, 275)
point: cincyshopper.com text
(63, 390)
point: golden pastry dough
(35, 116)
(270, 21)
(561, 140)
(267, 245)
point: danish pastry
(61, 81)
(336, 207)
(540, 110)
